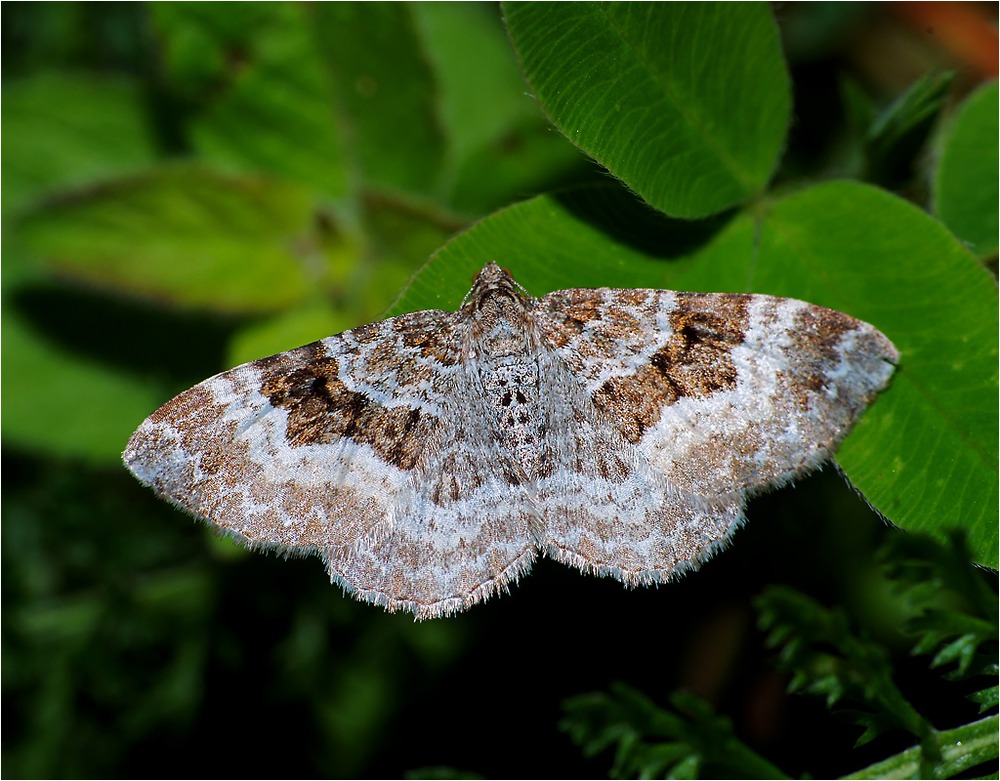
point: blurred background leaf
(385, 85)
(966, 194)
(44, 414)
(47, 147)
(498, 149)
(898, 133)
(250, 89)
(188, 237)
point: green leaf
(827, 659)
(987, 698)
(897, 135)
(962, 650)
(65, 130)
(398, 232)
(500, 148)
(688, 740)
(954, 604)
(966, 193)
(301, 325)
(386, 93)
(633, 85)
(255, 87)
(925, 455)
(590, 237)
(63, 404)
(188, 236)
(466, 44)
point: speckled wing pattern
(429, 458)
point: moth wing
(722, 394)
(307, 449)
(460, 534)
(364, 448)
(605, 509)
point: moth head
(492, 281)
(498, 308)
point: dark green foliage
(440, 773)
(954, 607)
(826, 656)
(687, 741)
(899, 132)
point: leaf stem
(961, 749)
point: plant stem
(961, 748)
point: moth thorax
(512, 397)
(504, 342)
(502, 326)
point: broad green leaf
(498, 148)
(256, 89)
(687, 103)
(187, 236)
(591, 237)
(928, 459)
(966, 194)
(387, 93)
(63, 130)
(62, 404)
(925, 454)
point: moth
(430, 458)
